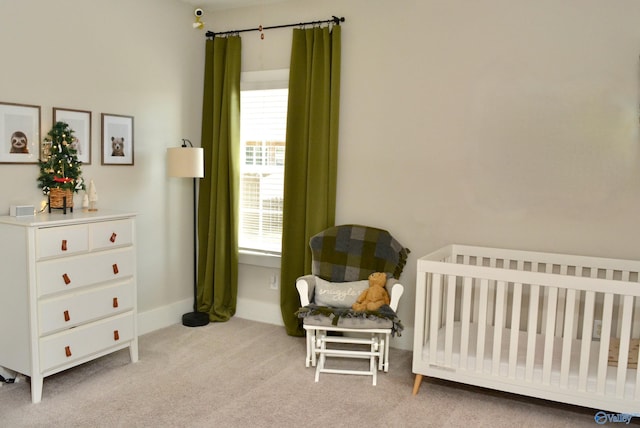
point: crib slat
(544, 291)
(562, 299)
(567, 338)
(491, 294)
(435, 317)
(635, 332)
(476, 303)
(515, 329)
(625, 278)
(466, 318)
(552, 302)
(498, 327)
(532, 326)
(448, 336)
(607, 313)
(426, 291)
(587, 331)
(482, 324)
(576, 314)
(623, 355)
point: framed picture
(80, 122)
(19, 133)
(117, 139)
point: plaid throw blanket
(335, 314)
(352, 252)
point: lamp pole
(189, 162)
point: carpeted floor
(248, 374)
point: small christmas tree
(60, 167)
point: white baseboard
(255, 310)
(404, 342)
(164, 316)
(248, 309)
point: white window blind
(263, 121)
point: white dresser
(67, 290)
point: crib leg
(416, 383)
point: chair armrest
(396, 292)
(305, 286)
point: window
(263, 121)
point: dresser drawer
(62, 241)
(59, 275)
(111, 234)
(77, 308)
(80, 342)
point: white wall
(137, 58)
(505, 123)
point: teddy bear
(375, 296)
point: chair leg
(386, 352)
(382, 351)
(321, 359)
(314, 346)
(372, 361)
(309, 339)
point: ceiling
(213, 5)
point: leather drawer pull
(66, 278)
(67, 351)
(115, 268)
(66, 316)
(116, 335)
(115, 302)
(113, 237)
(64, 245)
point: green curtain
(218, 200)
(311, 160)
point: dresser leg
(416, 383)
(36, 388)
(133, 351)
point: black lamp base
(195, 319)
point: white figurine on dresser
(68, 291)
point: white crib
(523, 322)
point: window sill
(255, 258)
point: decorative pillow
(338, 294)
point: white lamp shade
(185, 162)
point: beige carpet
(248, 374)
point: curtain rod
(335, 20)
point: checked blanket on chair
(336, 314)
(352, 252)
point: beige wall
(506, 123)
(137, 58)
(495, 122)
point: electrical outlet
(273, 281)
(597, 329)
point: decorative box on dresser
(68, 291)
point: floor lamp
(188, 162)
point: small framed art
(80, 122)
(19, 133)
(117, 139)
